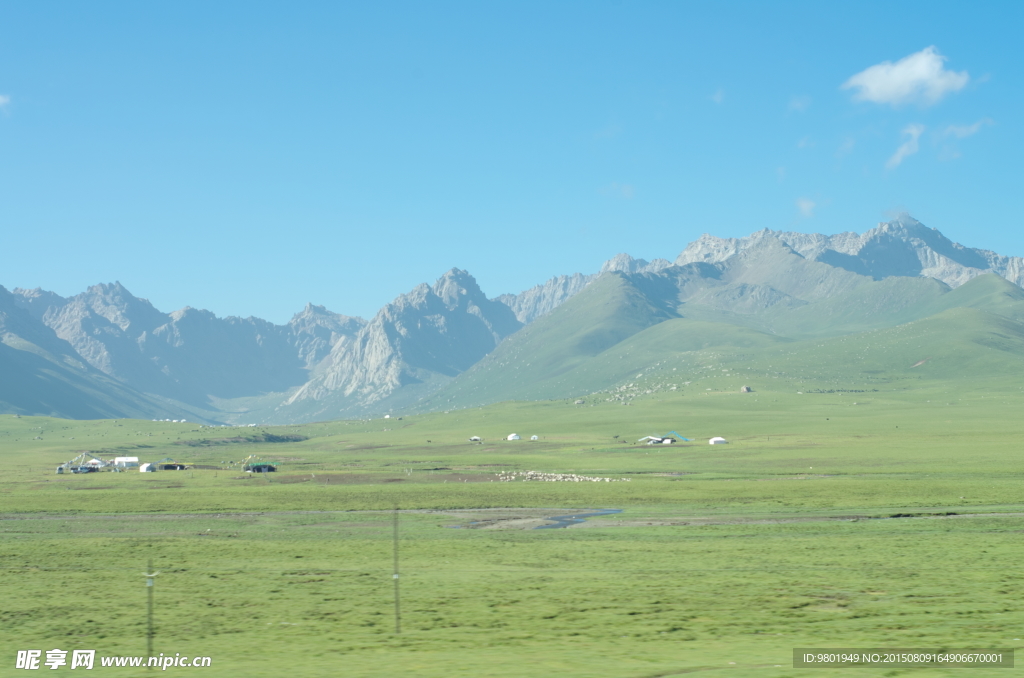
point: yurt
(717, 440)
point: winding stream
(566, 521)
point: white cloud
(719, 96)
(799, 104)
(964, 131)
(806, 207)
(4, 100)
(918, 78)
(908, 147)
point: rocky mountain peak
(314, 314)
(312, 309)
(900, 247)
(709, 249)
(627, 264)
(456, 284)
(114, 303)
(426, 336)
(37, 301)
(544, 298)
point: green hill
(890, 332)
(537, 361)
(961, 348)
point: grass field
(868, 516)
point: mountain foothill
(803, 301)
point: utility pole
(398, 616)
(149, 574)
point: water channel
(574, 519)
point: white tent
(717, 440)
(534, 437)
(513, 436)
(147, 468)
(125, 462)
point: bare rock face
(103, 324)
(536, 301)
(433, 331)
(315, 331)
(18, 325)
(37, 301)
(189, 355)
(541, 299)
(627, 264)
(902, 247)
(41, 374)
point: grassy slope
(974, 332)
(874, 305)
(34, 380)
(531, 363)
(895, 301)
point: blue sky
(249, 157)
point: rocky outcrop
(43, 375)
(433, 331)
(627, 264)
(902, 247)
(315, 331)
(189, 355)
(536, 301)
(541, 299)
(37, 301)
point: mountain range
(108, 353)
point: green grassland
(870, 495)
(613, 329)
(724, 557)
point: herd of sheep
(510, 476)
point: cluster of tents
(667, 439)
(673, 437)
(88, 463)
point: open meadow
(860, 517)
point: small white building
(717, 440)
(513, 436)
